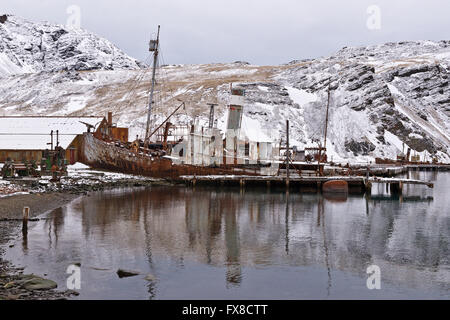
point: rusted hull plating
(102, 155)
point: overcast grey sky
(258, 31)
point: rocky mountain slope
(27, 47)
(384, 98)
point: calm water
(212, 244)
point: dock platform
(355, 183)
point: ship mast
(154, 47)
(326, 131)
(326, 119)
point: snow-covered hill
(27, 47)
(384, 98)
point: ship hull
(100, 154)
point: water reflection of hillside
(409, 241)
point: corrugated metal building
(25, 138)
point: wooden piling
(396, 188)
(26, 215)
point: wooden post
(51, 137)
(396, 188)
(26, 215)
(367, 204)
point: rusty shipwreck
(171, 151)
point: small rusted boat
(335, 186)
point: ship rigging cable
(131, 89)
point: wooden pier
(357, 184)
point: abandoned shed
(25, 138)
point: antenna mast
(154, 47)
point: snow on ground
(301, 97)
(263, 88)
(382, 66)
(7, 189)
(427, 126)
(402, 147)
(395, 91)
(394, 140)
(12, 193)
(251, 129)
(7, 67)
(79, 176)
(78, 166)
(82, 171)
(75, 104)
